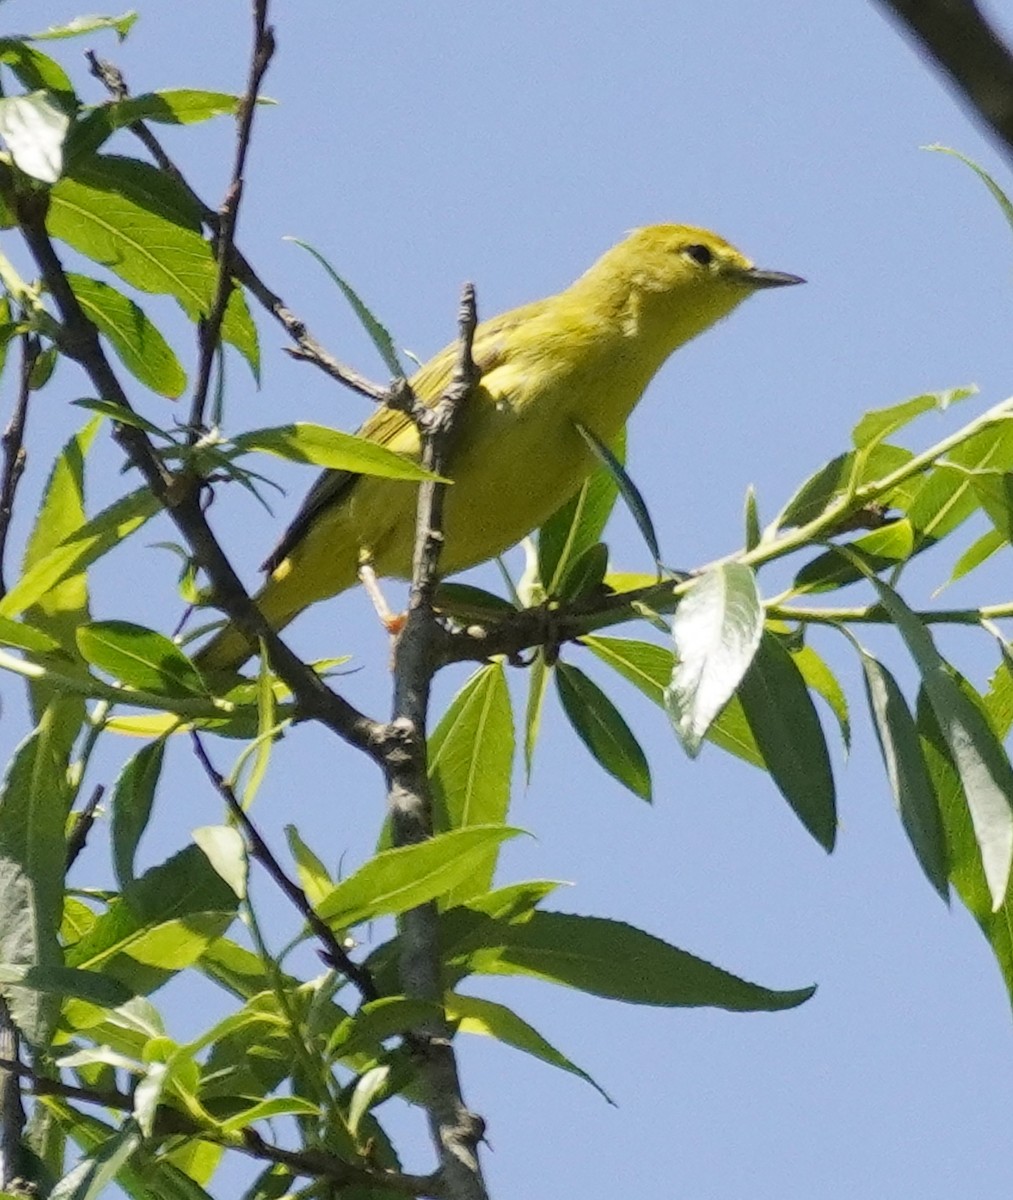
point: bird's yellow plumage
(583, 356)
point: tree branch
(333, 953)
(956, 35)
(210, 328)
(13, 441)
(455, 1130)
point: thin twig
(209, 329)
(83, 822)
(14, 454)
(979, 64)
(307, 348)
(334, 954)
(455, 1130)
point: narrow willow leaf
(579, 523)
(137, 342)
(752, 519)
(717, 629)
(833, 480)
(91, 1178)
(946, 496)
(601, 728)
(977, 553)
(83, 25)
(998, 194)
(586, 574)
(226, 852)
(375, 1022)
(788, 733)
(116, 412)
(985, 772)
(314, 878)
(963, 852)
(265, 1110)
(142, 225)
(878, 549)
(649, 668)
(368, 1090)
(58, 982)
(880, 423)
(307, 443)
(621, 962)
(467, 603)
(139, 658)
(81, 548)
(539, 676)
(26, 637)
(908, 776)
(377, 332)
(471, 755)
(824, 682)
(473, 1015)
(38, 72)
(178, 106)
(395, 880)
(629, 491)
(133, 797)
(994, 490)
(34, 802)
(34, 130)
(163, 923)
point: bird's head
(675, 281)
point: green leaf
(835, 479)
(998, 194)
(470, 765)
(163, 923)
(139, 658)
(467, 603)
(394, 881)
(58, 982)
(629, 491)
(980, 550)
(116, 412)
(824, 682)
(138, 344)
(880, 548)
(133, 796)
(539, 676)
(265, 1110)
(142, 225)
(226, 852)
(880, 423)
(378, 334)
(92, 1176)
(578, 524)
(586, 573)
(906, 771)
(38, 72)
(621, 962)
(788, 733)
(981, 763)
(377, 1021)
(314, 878)
(26, 637)
(34, 130)
(601, 728)
(649, 668)
(34, 802)
(180, 106)
(752, 519)
(483, 1017)
(994, 490)
(82, 25)
(368, 1090)
(716, 629)
(307, 443)
(68, 559)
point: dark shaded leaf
(601, 728)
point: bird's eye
(699, 254)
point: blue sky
(421, 145)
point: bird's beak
(758, 278)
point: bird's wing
(395, 430)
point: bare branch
(210, 328)
(964, 45)
(12, 1112)
(83, 822)
(455, 1130)
(13, 441)
(333, 953)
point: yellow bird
(583, 356)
